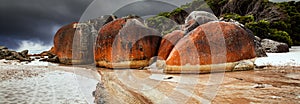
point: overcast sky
(31, 24)
(36, 21)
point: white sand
(291, 58)
(47, 85)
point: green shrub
(282, 36)
(295, 28)
(280, 25)
(237, 17)
(263, 29)
(164, 14)
(260, 28)
(246, 19)
(162, 24)
(177, 11)
(232, 16)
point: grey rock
(257, 38)
(100, 94)
(197, 18)
(259, 50)
(25, 59)
(3, 47)
(18, 56)
(14, 54)
(272, 46)
(97, 23)
(50, 55)
(47, 53)
(10, 58)
(5, 52)
(24, 53)
(86, 33)
(55, 59)
(37, 57)
(44, 59)
(1, 54)
(244, 65)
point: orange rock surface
(168, 42)
(63, 41)
(211, 43)
(126, 43)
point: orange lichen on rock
(63, 41)
(126, 43)
(219, 44)
(168, 42)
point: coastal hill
(274, 20)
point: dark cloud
(106, 7)
(144, 8)
(36, 20)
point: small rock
(244, 65)
(259, 86)
(37, 57)
(276, 97)
(3, 47)
(272, 46)
(54, 59)
(50, 55)
(44, 59)
(6, 52)
(239, 79)
(259, 50)
(45, 53)
(257, 38)
(9, 58)
(169, 78)
(24, 53)
(26, 59)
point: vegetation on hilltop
(277, 21)
(285, 30)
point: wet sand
(64, 85)
(269, 85)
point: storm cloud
(36, 20)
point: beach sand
(45, 84)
